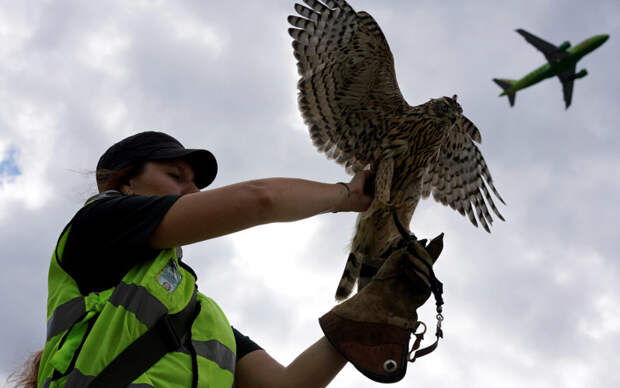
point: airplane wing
(568, 79)
(551, 52)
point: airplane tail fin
(506, 84)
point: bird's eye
(444, 107)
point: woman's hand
(356, 199)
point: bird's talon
(390, 206)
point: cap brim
(203, 163)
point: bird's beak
(455, 118)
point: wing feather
(460, 177)
(348, 92)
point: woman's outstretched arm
(212, 213)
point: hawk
(356, 115)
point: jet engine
(582, 73)
(564, 46)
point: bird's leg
(383, 185)
(405, 212)
(383, 179)
(391, 206)
(384, 197)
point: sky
(534, 303)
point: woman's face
(162, 178)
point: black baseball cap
(150, 146)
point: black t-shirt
(110, 235)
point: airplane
(562, 61)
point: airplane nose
(596, 41)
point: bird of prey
(356, 115)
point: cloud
(531, 304)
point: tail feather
(366, 274)
(506, 84)
(349, 277)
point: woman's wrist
(344, 195)
(347, 187)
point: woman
(122, 304)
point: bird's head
(445, 110)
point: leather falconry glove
(372, 329)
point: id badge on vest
(170, 277)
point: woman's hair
(26, 376)
(115, 179)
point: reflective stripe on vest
(214, 351)
(78, 380)
(139, 301)
(132, 297)
(65, 315)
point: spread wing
(460, 178)
(550, 51)
(347, 91)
